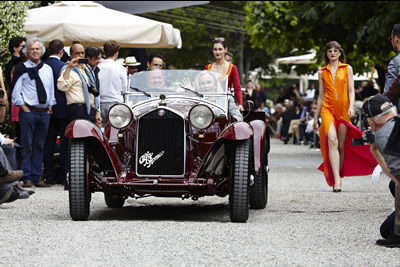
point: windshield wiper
(140, 91)
(190, 90)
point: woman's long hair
(218, 87)
(334, 44)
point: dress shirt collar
(54, 56)
(30, 64)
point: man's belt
(78, 104)
(82, 105)
(38, 109)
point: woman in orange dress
(222, 66)
(336, 107)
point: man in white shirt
(112, 78)
(310, 93)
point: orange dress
(358, 160)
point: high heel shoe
(337, 190)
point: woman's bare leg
(334, 155)
(342, 138)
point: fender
(237, 131)
(84, 128)
(259, 134)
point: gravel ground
(304, 224)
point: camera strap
(84, 87)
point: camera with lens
(367, 139)
(92, 89)
(83, 61)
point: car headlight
(201, 116)
(120, 116)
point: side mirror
(248, 106)
(248, 109)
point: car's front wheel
(79, 192)
(239, 196)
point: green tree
(278, 27)
(199, 25)
(12, 18)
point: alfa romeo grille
(161, 144)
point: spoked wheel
(259, 190)
(239, 196)
(79, 192)
(114, 201)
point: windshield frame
(175, 82)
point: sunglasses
(221, 39)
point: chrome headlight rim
(117, 119)
(206, 113)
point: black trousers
(388, 225)
(79, 111)
(57, 128)
(3, 171)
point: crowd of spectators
(290, 116)
(47, 88)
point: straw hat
(131, 61)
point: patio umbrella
(303, 59)
(90, 23)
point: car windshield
(205, 85)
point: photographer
(382, 117)
(76, 80)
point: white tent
(303, 79)
(303, 59)
(90, 23)
(138, 7)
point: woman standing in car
(222, 66)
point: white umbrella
(303, 59)
(139, 7)
(90, 23)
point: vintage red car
(177, 134)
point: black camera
(83, 61)
(367, 139)
(92, 89)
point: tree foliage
(199, 25)
(279, 27)
(12, 19)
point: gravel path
(304, 224)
